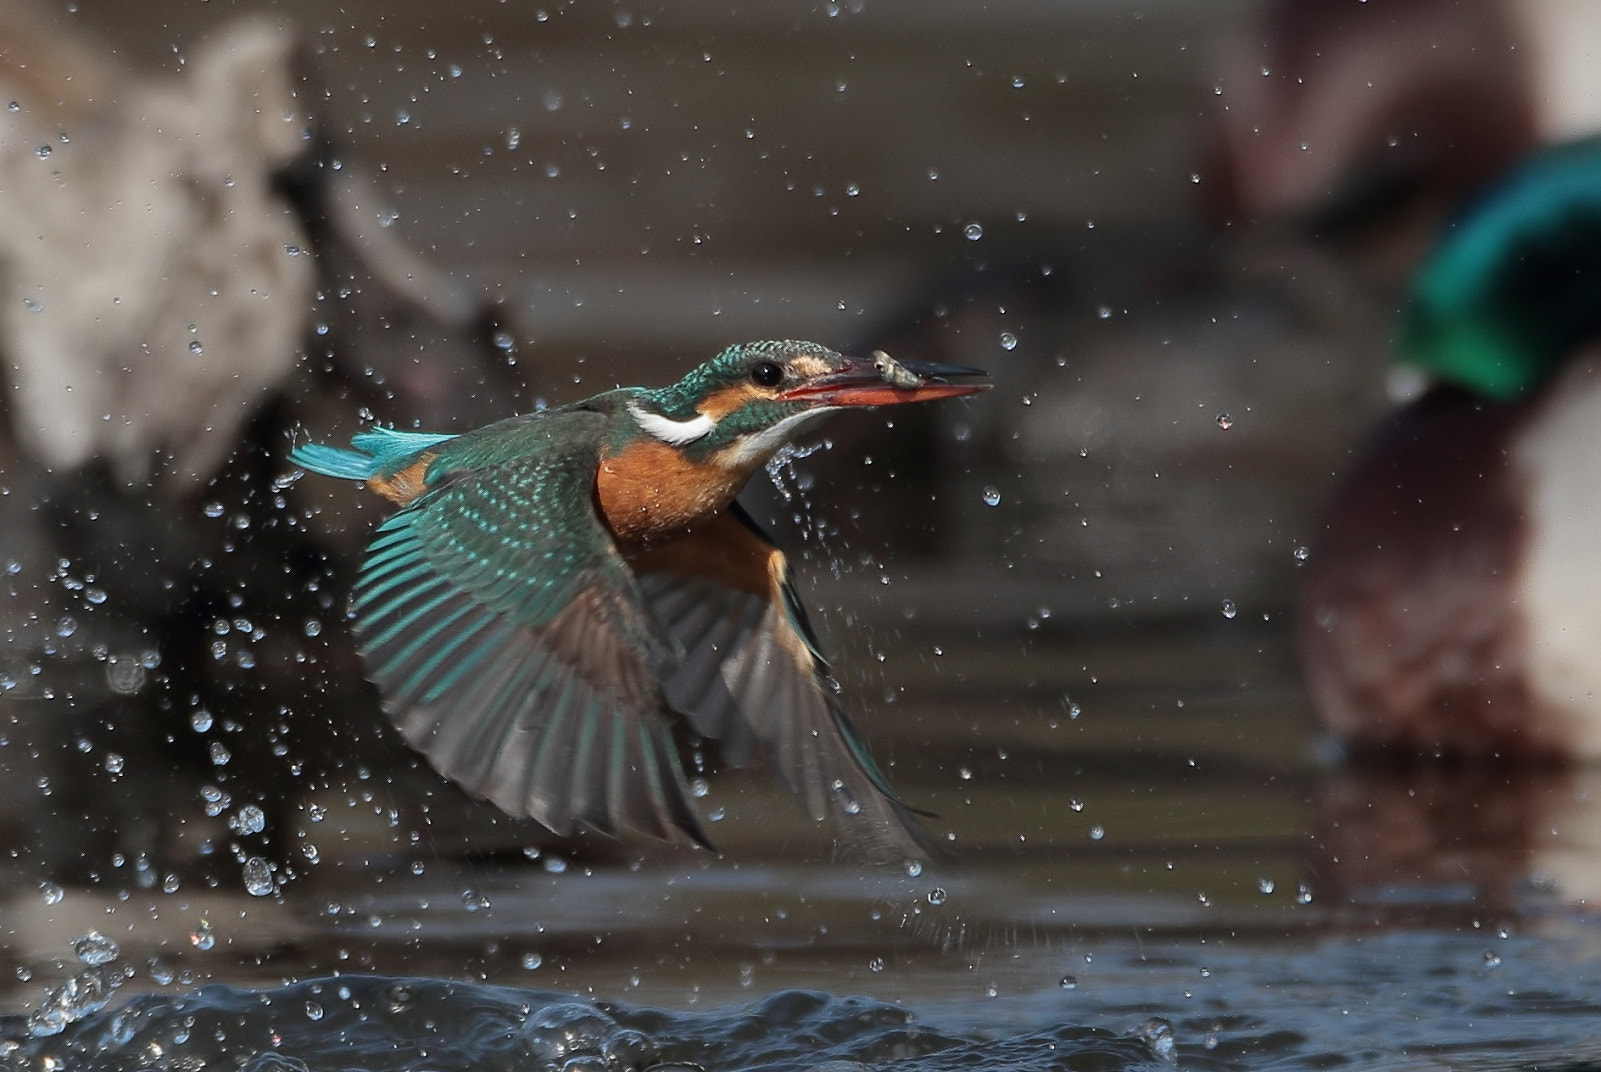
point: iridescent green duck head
(1514, 286)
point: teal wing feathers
(753, 679)
(376, 451)
(512, 647)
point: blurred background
(1177, 233)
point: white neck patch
(757, 448)
(674, 433)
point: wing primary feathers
(513, 647)
(752, 676)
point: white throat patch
(756, 449)
(674, 433)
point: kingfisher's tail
(377, 451)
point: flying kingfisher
(559, 588)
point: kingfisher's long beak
(882, 381)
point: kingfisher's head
(748, 401)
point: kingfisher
(560, 591)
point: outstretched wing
(512, 648)
(752, 679)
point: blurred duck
(151, 291)
(1343, 111)
(1453, 601)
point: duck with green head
(561, 590)
(1453, 601)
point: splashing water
(381, 1024)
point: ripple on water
(377, 1023)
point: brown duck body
(1453, 602)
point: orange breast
(649, 492)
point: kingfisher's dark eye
(766, 374)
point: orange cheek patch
(720, 404)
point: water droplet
(43, 151)
(195, 347)
(66, 626)
(249, 819)
(95, 948)
(1097, 832)
(313, 1011)
(1265, 885)
(992, 496)
(213, 509)
(87, 992)
(1301, 553)
(936, 896)
(1103, 312)
(114, 763)
(973, 232)
(124, 675)
(216, 801)
(51, 893)
(1229, 609)
(258, 877)
(1158, 1034)
(33, 305)
(1224, 421)
(1303, 894)
(1008, 341)
(1492, 960)
(1075, 804)
(1069, 982)
(200, 721)
(203, 937)
(531, 961)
